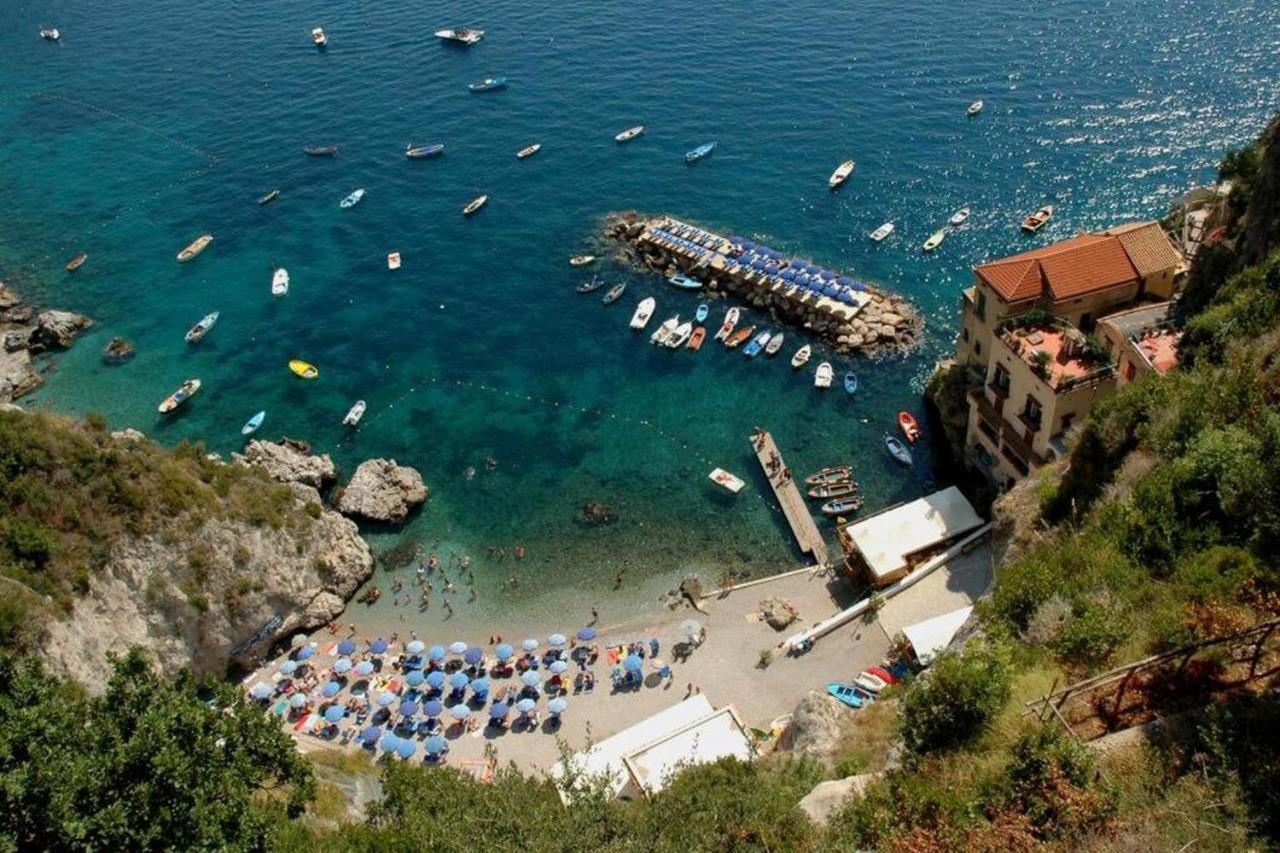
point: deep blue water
(153, 122)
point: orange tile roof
(1148, 247)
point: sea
(150, 123)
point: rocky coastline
(26, 333)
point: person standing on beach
(653, 647)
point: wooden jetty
(789, 497)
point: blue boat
(489, 84)
(698, 153)
(701, 314)
(753, 348)
(851, 382)
(848, 694)
(684, 282)
(251, 426)
(897, 449)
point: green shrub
(959, 695)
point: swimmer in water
(469, 472)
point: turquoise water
(151, 123)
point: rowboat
(976, 107)
(695, 340)
(460, 35)
(827, 476)
(935, 240)
(846, 693)
(77, 262)
(910, 428)
(280, 282)
(528, 150)
(681, 335)
(883, 231)
(424, 152)
(615, 293)
(684, 282)
(1037, 220)
(393, 261)
(303, 369)
(643, 312)
(581, 260)
(700, 316)
(352, 200)
(698, 153)
(197, 332)
(184, 393)
(321, 151)
(841, 174)
(721, 477)
(730, 320)
(269, 197)
(801, 356)
(197, 246)
(823, 375)
(50, 34)
(475, 204)
(354, 414)
(834, 490)
(488, 84)
(251, 425)
(870, 682)
(629, 134)
(318, 37)
(960, 216)
(757, 344)
(851, 382)
(589, 286)
(897, 449)
(665, 331)
(883, 674)
(775, 344)
(739, 337)
(842, 506)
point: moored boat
(935, 240)
(643, 312)
(976, 107)
(77, 262)
(827, 476)
(280, 282)
(197, 332)
(393, 261)
(823, 375)
(321, 150)
(424, 152)
(475, 204)
(757, 344)
(851, 382)
(700, 316)
(721, 477)
(184, 393)
(269, 197)
(528, 150)
(589, 286)
(696, 339)
(197, 246)
(841, 174)
(802, 356)
(883, 231)
(665, 331)
(251, 425)
(581, 260)
(698, 153)
(684, 282)
(1037, 220)
(303, 369)
(488, 84)
(959, 217)
(681, 335)
(318, 37)
(615, 293)
(842, 506)
(910, 428)
(629, 134)
(50, 34)
(739, 337)
(354, 414)
(775, 344)
(353, 199)
(460, 35)
(730, 321)
(897, 449)
(833, 490)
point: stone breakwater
(847, 315)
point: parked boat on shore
(841, 174)
(460, 35)
(528, 150)
(280, 282)
(629, 134)
(643, 312)
(424, 152)
(77, 262)
(823, 375)
(739, 337)
(184, 393)
(730, 321)
(935, 240)
(701, 151)
(684, 282)
(848, 694)
(488, 84)
(197, 246)
(1037, 220)
(321, 151)
(251, 425)
(354, 414)
(475, 204)
(883, 231)
(269, 197)
(615, 293)
(197, 332)
(827, 476)
(664, 332)
(897, 449)
(802, 356)
(352, 200)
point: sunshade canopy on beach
(498, 710)
(558, 666)
(459, 712)
(433, 708)
(289, 667)
(415, 677)
(342, 665)
(480, 685)
(346, 647)
(334, 713)
(406, 749)
(587, 634)
(378, 646)
(437, 653)
(504, 651)
(408, 707)
(529, 645)
(556, 640)
(389, 742)
(473, 655)
(331, 689)
(459, 681)
(633, 663)
(435, 679)
(531, 679)
(385, 698)
(457, 648)
(558, 705)
(298, 700)
(436, 744)
(524, 706)
(690, 627)
(364, 668)
(370, 734)
(260, 691)
(415, 647)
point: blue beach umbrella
(558, 666)
(346, 647)
(788, 275)
(436, 653)
(385, 698)
(556, 640)
(415, 677)
(504, 651)
(334, 713)
(435, 679)
(389, 742)
(305, 652)
(524, 706)
(531, 679)
(342, 665)
(260, 691)
(827, 275)
(480, 686)
(844, 280)
(364, 668)
(433, 708)
(436, 744)
(633, 663)
(498, 710)
(459, 681)
(748, 244)
(415, 647)
(331, 689)
(558, 705)
(408, 707)
(298, 700)
(473, 655)
(457, 648)
(529, 645)
(406, 749)
(378, 646)
(459, 712)
(370, 734)
(735, 239)
(289, 667)
(587, 634)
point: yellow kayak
(303, 369)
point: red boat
(909, 427)
(883, 674)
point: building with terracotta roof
(1143, 341)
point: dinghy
(883, 231)
(629, 134)
(615, 293)
(696, 339)
(280, 282)
(303, 369)
(1037, 220)
(827, 476)
(739, 337)
(269, 197)
(851, 382)
(757, 344)
(775, 344)
(528, 150)
(581, 260)
(460, 35)
(321, 151)
(197, 246)
(698, 153)
(77, 262)
(700, 316)
(354, 414)
(665, 331)
(488, 84)
(251, 425)
(897, 449)
(184, 393)
(910, 428)
(730, 320)
(846, 693)
(318, 37)
(475, 204)
(681, 335)
(643, 312)
(935, 240)
(802, 356)
(197, 332)
(684, 282)
(842, 506)
(834, 490)
(841, 174)
(352, 200)
(823, 375)
(589, 286)
(959, 217)
(721, 477)
(424, 152)
(975, 107)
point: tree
(152, 764)
(959, 695)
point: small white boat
(50, 34)
(352, 200)
(775, 344)
(883, 231)
(629, 134)
(251, 425)
(528, 150)
(802, 356)
(393, 261)
(841, 174)
(280, 282)
(935, 240)
(197, 332)
(959, 217)
(475, 204)
(461, 35)
(822, 378)
(976, 107)
(1037, 220)
(681, 335)
(644, 311)
(665, 331)
(184, 393)
(354, 414)
(581, 260)
(318, 37)
(721, 477)
(730, 321)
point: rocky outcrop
(595, 513)
(58, 329)
(778, 613)
(128, 434)
(815, 726)
(829, 797)
(117, 351)
(25, 334)
(287, 462)
(382, 491)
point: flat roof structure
(931, 636)
(888, 541)
(709, 739)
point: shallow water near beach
(149, 124)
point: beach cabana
(371, 734)
(556, 640)
(558, 705)
(364, 668)
(260, 691)
(406, 749)
(459, 681)
(459, 712)
(457, 648)
(498, 710)
(526, 706)
(385, 698)
(305, 653)
(633, 663)
(436, 745)
(531, 679)
(433, 708)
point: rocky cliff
(25, 333)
